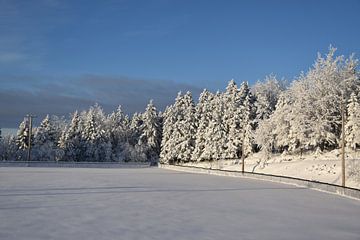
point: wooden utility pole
(30, 118)
(243, 164)
(243, 155)
(343, 140)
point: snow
(323, 167)
(151, 203)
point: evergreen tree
(45, 132)
(203, 117)
(167, 141)
(71, 140)
(352, 127)
(151, 132)
(9, 149)
(136, 128)
(215, 136)
(118, 130)
(233, 106)
(93, 132)
(184, 128)
(45, 141)
(22, 140)
(248, 124)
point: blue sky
(58, 56)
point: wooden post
(243, 163)
(343, 141)
(243, 155)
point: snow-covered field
(151, 203)
(323, 167)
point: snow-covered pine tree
(132, 150)
(203, 116)
(71, 141)
(352, 127)
(232, 120)
(9, 149)
(215, 136)
(118, 130)
(173, 141)
(22, 140)
(136, 127)
(248, 120)
(61, 144)
(45, 132)
(45, 141)
(151, 132)
(167, 141)
(185, 127)
(97, 142)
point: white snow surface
(323, 167)
(151, 203)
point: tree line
(90, 136)
(271, 116)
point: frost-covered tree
(167, 141)
(118, 130)
(179, 130)
(281, 128)
(203, 117)
(352, 127)
(274, 132)
(136, 127)
(267, 94)
(317, 105)
(185, 127)
(22, 140)
(215, 135)
(8, 148)
(264, 135)
(45, 132)
(232, 118)
(151, 132)
(98, 146)
(315, 119)
(248, 124)
(45, 141)
(71, 141)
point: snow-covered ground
(151, 203)
(324, 167)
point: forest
(273, 116)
